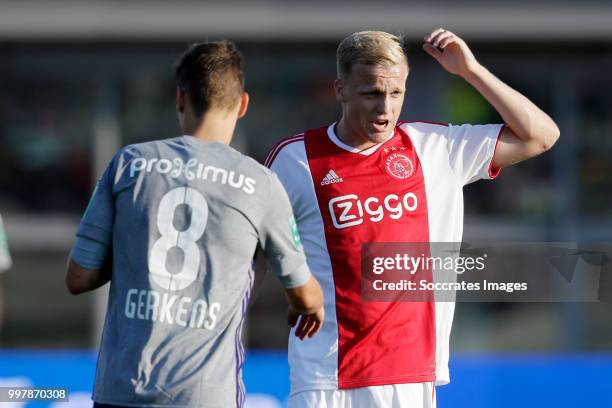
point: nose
(383, 104)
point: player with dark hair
(370, 178)
(173, 225)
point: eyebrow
(372, 90)
(376, 89)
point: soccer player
(174, 224)
(370, 178)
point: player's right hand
(308, 325)
(450, 51)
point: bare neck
(350, 137)
(215, 126)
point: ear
(180, 100)
(339, 90)
(244, 104)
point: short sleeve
(95, 231)
(5, 256)
(471, 149)
(280, 240)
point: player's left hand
(309, 324)
(450, 51)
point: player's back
(187, 214)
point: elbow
(73, 286)
(75, 279)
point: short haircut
(369, 48)
(211, 75)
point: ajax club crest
(399, 166)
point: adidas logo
(331, 178)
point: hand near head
(450, 51)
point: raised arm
(528, 132)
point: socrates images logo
(399, 166)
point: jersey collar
(331, 133)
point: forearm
(104, 275)
(80, 280)
(307, 298)
(527, 122)
(98, 279)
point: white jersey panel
(451, 156)
(313, 362)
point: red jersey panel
(375, 198)
(408, 189)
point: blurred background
(79, 79)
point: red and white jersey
(424, 166)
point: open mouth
(380, 125)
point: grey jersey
(183, 218)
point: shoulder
(146, 148)
(247, 163)
(292, 149)
(133, 151)
(288, 146)
(426, 135)
(135, 154)
(250, 168)
(424, 126)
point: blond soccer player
(370, 177)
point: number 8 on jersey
(185, 239)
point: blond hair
(369, 48)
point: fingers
(315, 328)
(446, 40)
(319, 318)
(301, 329)
(428, 38)
(433, 51)
(292, 318)
(440, 38)
(309, 325)
(312, 329)
(450, 51)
